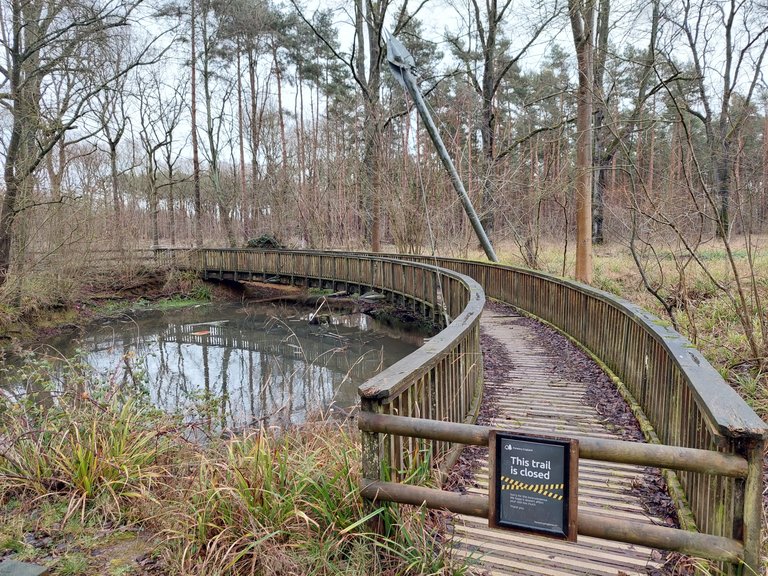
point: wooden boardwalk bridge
(707, 441)
(539, 395)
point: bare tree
(160, 109)
(193, 111)
(40, 40)
(726, 43)
(173, 111)
(109, 107)
(365, 63)
(216, 107)
(497, 60)
(610, 131)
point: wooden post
(753, 506)
(374, 455)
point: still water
(240, 365)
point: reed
(97, 454)
(270, 502)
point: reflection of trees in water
(225, 406)
(240, 376)
(236, 373)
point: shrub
(264, 242)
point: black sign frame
(523, 516)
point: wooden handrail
(597, 526)
(727, 413)
(668, 383)
(620, 451)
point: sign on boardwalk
(534, 484)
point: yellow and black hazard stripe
(548, 490)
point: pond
(238, 365)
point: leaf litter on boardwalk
(572, 364)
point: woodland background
(639, 128)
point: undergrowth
(84, 457)
(49, 299)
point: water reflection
(242, 365)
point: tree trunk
(255, 206)
(7, 217)
(195, 146)
(154, 208)
(650, 180)
(171, 204)
(372, 116)
(19, 155)
(116, 200)
(582, 16)
(724, 162)
(488, 128)
(280, 114)
(601, 182)
(763, 206)
(241, 140)
(607, 141)
(604, 155)
(371, 160)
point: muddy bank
(110, 295)
(104, 294)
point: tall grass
(264, 502)
(288, 503)
(98, 454)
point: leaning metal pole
(400, 63)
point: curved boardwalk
(539, 396)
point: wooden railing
(684, 402)
(442, 380)
(683, 398)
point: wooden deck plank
(540, 555)
(516, 558)
(533, 399)
(602, 548)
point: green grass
(179, 302)
(319, 291)
(72, 565)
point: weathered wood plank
(604, 487)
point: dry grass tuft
(95, 457)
